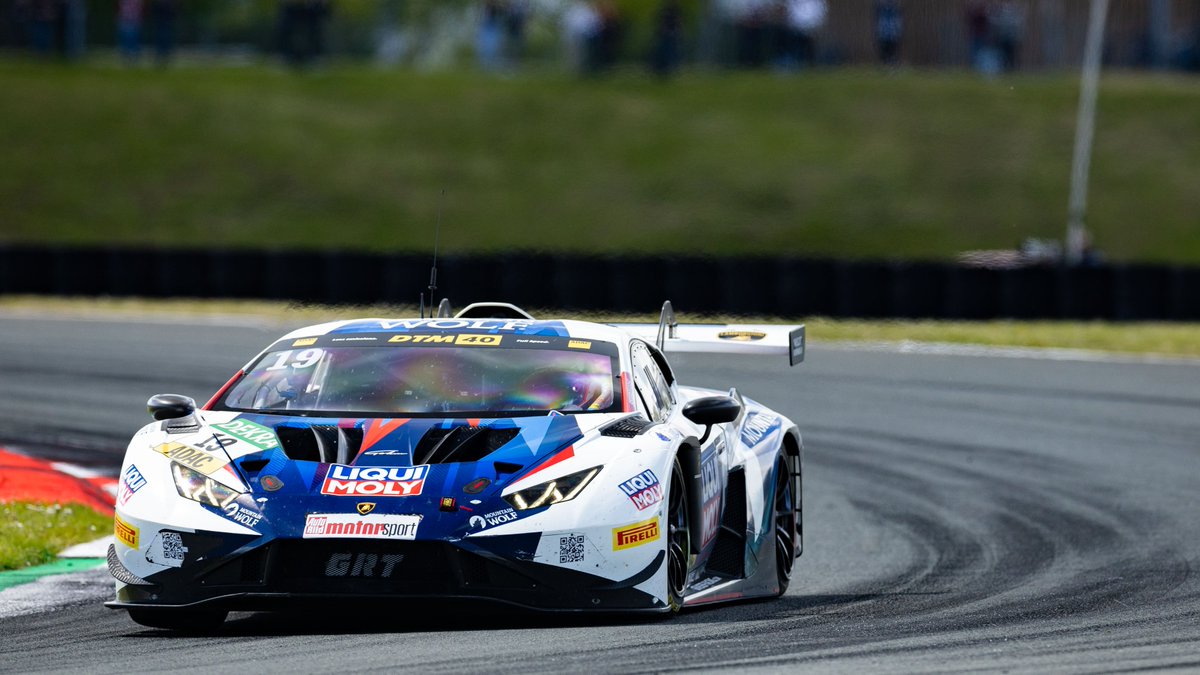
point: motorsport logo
(353, 526)
(492, 519)
(635, 535)
(643, 490)
(255, 434)
(375, 481)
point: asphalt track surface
(961, 513)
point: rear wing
(671, 336)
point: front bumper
(287, 572)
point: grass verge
(845, 162)
(33, 534)
(1167, 339)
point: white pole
(1085, 131)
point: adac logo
(365, 507)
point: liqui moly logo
(643, 490)
(374, 481)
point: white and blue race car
(552, 465)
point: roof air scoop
(493, 310)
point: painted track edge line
(1033, 353)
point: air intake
(626, 427)
(461, 444)
(320, 443)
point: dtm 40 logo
(375, 481)
(643, 490)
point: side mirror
(711, 410)
(170, 406)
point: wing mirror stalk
(710, 410)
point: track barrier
(771, 286)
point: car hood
(445, 470)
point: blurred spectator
(490, 40)
(74, 21)
(889, 29)
(44, 16)
(606, 44)
(302, 30)
(804, 19)
(752, 20)
(978, 31)
(129, 28)
(581, 25)
(668, 25)
(162, 17)
(1008, 27)
(516, 16)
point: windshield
(430, 380)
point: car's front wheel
(678, 539)
(186, 621)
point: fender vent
(626, 427)
(461, 444)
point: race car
(486, 456)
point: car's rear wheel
(785, 523)
(678, 539)
(188, 620)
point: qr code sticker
(173, 548)
(570, 549)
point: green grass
(1167, 339)
(847, 163)
(33, 534)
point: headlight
(200, 488)
(556, 491)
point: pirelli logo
(579, 344)
(636, 534)
(305, 342)
(125, 533)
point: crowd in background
(591, 36)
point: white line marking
(90, 549)
(1045, 353)
(53, 592)
(229, 320)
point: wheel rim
(677, 536)
(785, 522)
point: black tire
(678, 539)
(184, 621)
(785, 523)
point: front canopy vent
(461, 444)
(320, 443)
(626, 427)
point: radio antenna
(437, 233)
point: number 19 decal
(305, 359)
